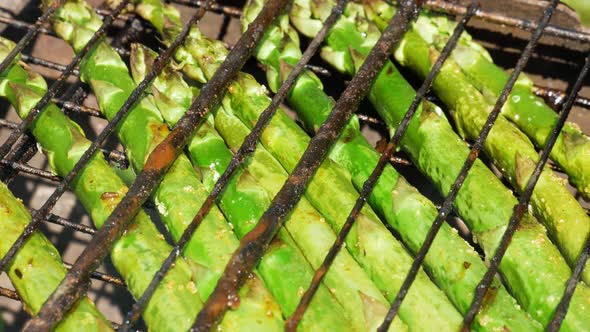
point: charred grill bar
(253, 246)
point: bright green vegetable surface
(458, 270)
(180, 194)
(506, 146)
(140, 252)
(533, 268)
(37, 269)
(248, 195)
(369, 238)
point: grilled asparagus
(180, 194)
(140, 252)
(527, 111)
(369, 239)
(508, 148)
(357, 294)
(283, 268)
(456, 271)
(37, 269)
(532, 267)
(582, 7)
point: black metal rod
(369, 184)
(13, 22)
(23, 150)
(55, 219)
(248, 146)
(30, 170)
(218, 8)
(254, 244)
(74, 284)
(572, 282)
(33, 60)
(521, 208)
(9, 293)
(74, 107)
(17, 132)
(33, 31)
(102, 277)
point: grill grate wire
(560, 98)
(248, 146)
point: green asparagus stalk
(533, 268)
(333, 194)
(349, 284)
(283, 268)
(527, 111)
(331, 191)
(180, 195)
(508, 148)
(37, 269)
(140, 252)
(404, 208)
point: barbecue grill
(554, 60)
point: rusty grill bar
(252, 246)
(248, 147)
(71, 288)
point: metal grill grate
(15, 154)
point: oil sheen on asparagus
(533, 268)
(140, 252)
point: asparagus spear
(283, 268)
(333, 195)
(359, 297)
(535, 118)
(180, 194)
(533, 268)
(369, 239)
(411, 214)
(37, 269)
(140, 252)
(509, 150)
